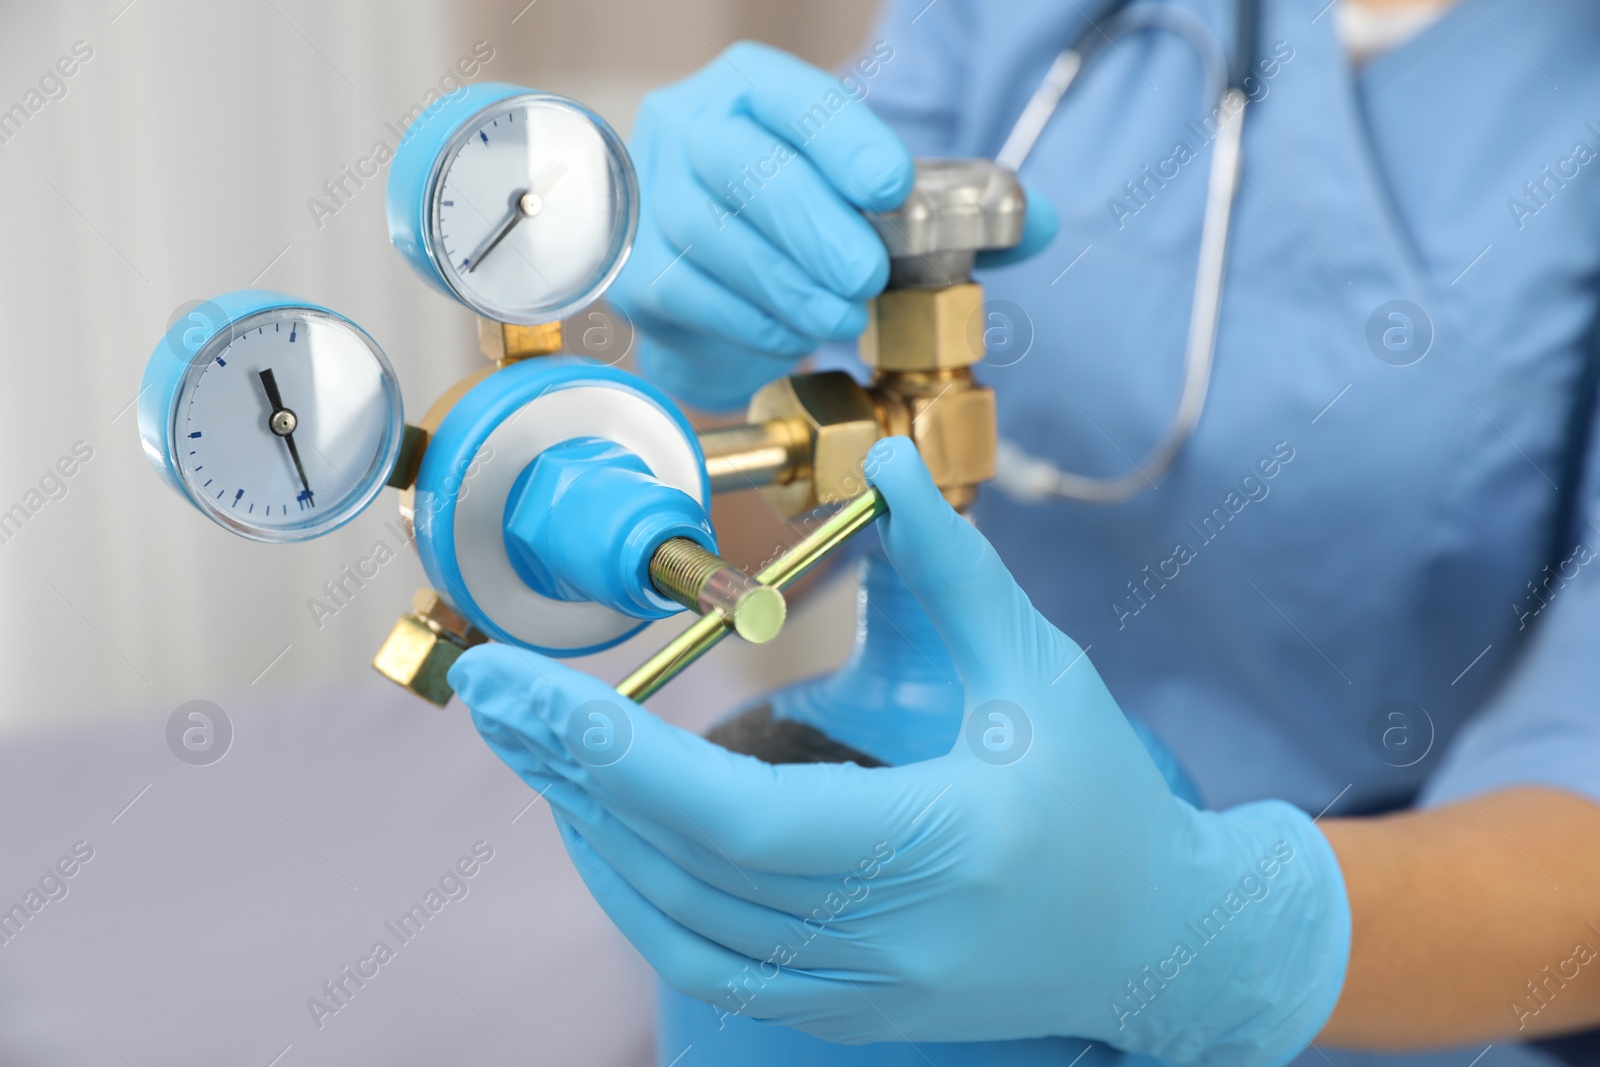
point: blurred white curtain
(178, 165)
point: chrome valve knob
(957, 208)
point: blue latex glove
(1040, 879)
(751, 249)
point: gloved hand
(751, 249)
(1040, 879)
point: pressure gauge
(278, 419)
(520, 204)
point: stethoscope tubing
(1224, 83)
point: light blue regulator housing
(418, 162)
(418, 171)
(543, 491)
(196, 338)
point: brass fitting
(922, 329)
(921, 344)
(754, 454)
(839, 422)
(951, 420)
(808, 434)
(506, 342)
(424, 644)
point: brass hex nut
(951, 420)
(841, 424)
(956, 435)
(416, 657)
(922, 329)
(424, 643)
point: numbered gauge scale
(278, 419)
(520, 204)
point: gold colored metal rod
(782, 572)
(819, 544)
(751, 455)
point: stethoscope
(1030, 478)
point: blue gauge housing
(419, 169)
(417, 162)
(176, 353)
(524, 437)
(188, 344)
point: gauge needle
(519, 205)
(282, 422)
(525, 204)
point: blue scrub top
(1338, 595)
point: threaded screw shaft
(704, 583)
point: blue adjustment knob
(584, 519)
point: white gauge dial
(287, 424)
(532, 209)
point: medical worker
(1362, 607)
